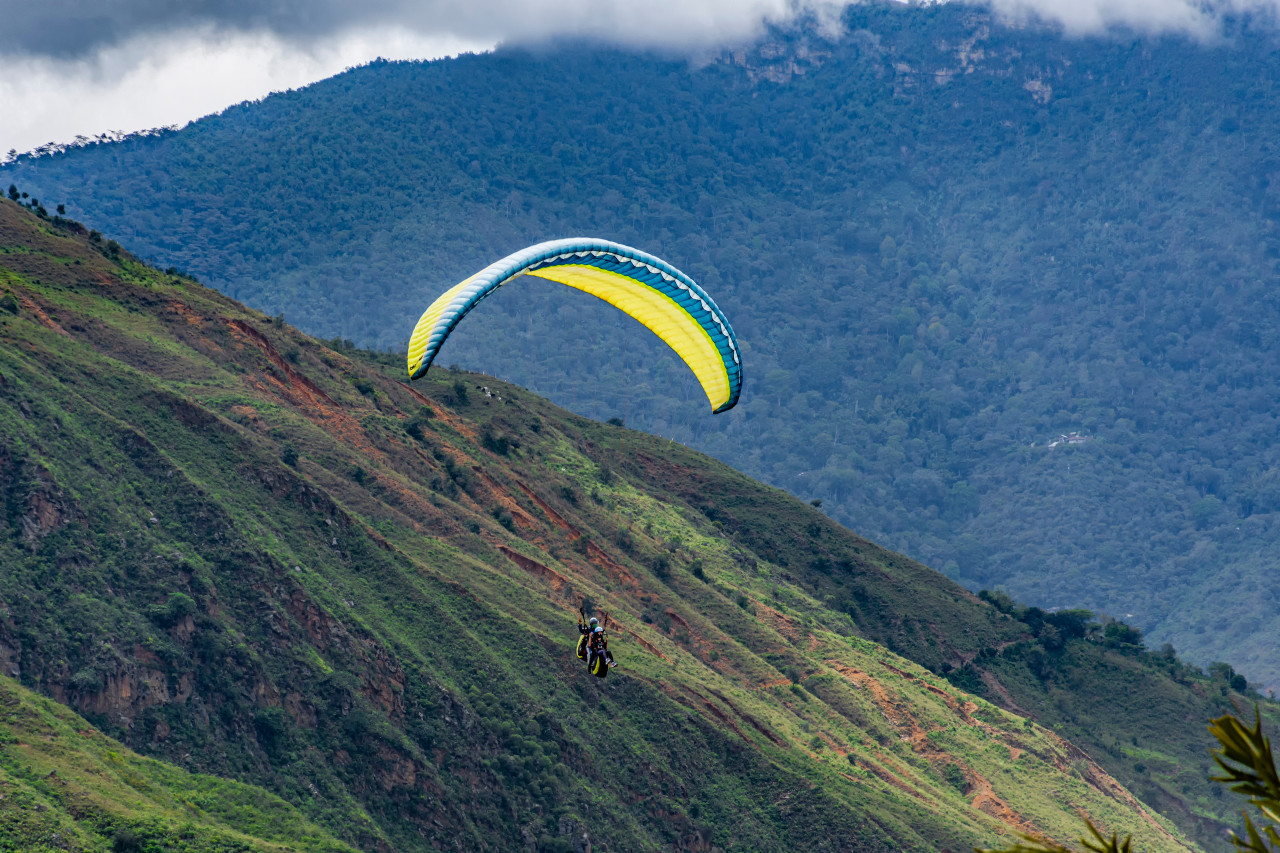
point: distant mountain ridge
(942, 243)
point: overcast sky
(70, 67)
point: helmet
(593, 621)
(599, 630)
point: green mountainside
(64, 786)
(943, 244)
(250, 554)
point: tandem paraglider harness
(593, 647)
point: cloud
(76, 29)
(161, 80)
(84, 67)
(70, 67)
(1200, 19)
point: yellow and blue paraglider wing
(647, 288)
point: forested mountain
(239, 550)
(943, 243)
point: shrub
(415, 424)
(179, 606)
(498, 444)
(661, 567)
(126, 841)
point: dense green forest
(943, 243)
(237, 549)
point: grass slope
(65, 786)
(245, 552)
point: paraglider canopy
(649, 289)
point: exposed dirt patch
(952, 702)
(295, 377)
(533, 567)
(28, 304)
(721, 717)
(614, 570)
(249, 413)
(184, 311)
(300, 392)
(556, 518)
(128, 691)
(750, 720)
(833, 745)
(888, 704)
(678, 620)
(780, 622)
(441, 413)
(1006, 698)
(640, 641)
(889, 777)
(986, 800)
(416, 507)
(503, 499)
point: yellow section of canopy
(660, 313)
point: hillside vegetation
(943, 243)
(65, 786)
(237, 549)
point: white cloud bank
(69, 29)
(68, 69)
(84, 67)
(1200, 19)
(162, 80)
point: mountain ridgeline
(943, 243)
(244, 552)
